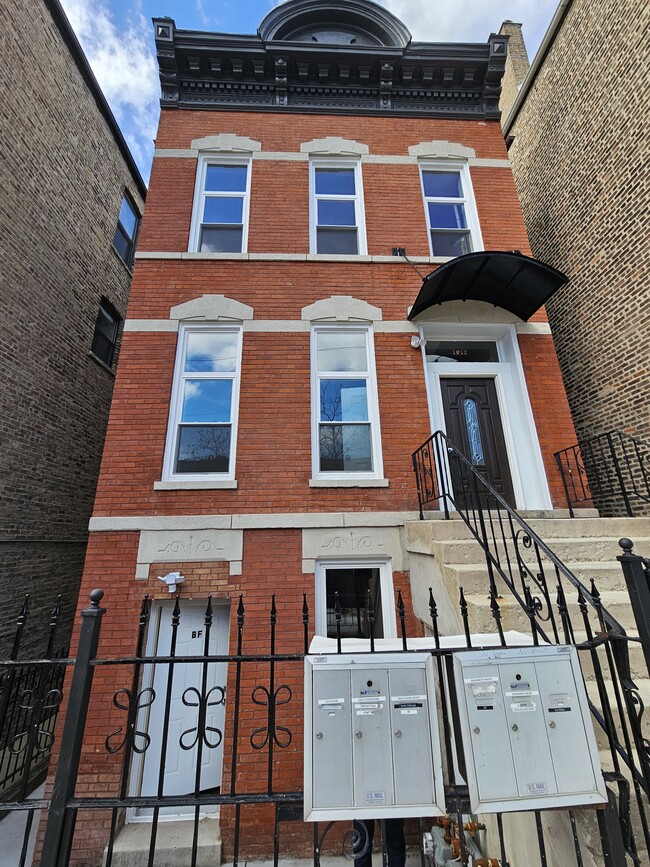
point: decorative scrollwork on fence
(355, 843)
(133, 703)
(427, 475)
(280, 735)
(43, 740)
(201, 729)
(543, 605)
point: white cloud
(471, 20)
(125, 66)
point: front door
(180, 769)
(473, 423)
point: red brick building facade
(271, 387)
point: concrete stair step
(548, 527)
(514, 617)
(608, 576)
(173, 844)
(570, 550)
(638, 666)
(643, 689)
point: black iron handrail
(610, 470)
(446, 478)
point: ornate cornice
(348, 75)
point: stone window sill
(212, 485)
(101, 363)
(348, 483)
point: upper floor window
(337, 217)
(221, 203)
(126, 233)
(107, 329)
(451, 216)
(344, 401)
(203, 414)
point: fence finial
(96, 597)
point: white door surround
(522, 443)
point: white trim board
(253, 521)
(293, 156)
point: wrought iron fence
(30, 695)
(610, 471)
(107, 734)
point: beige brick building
(67, 182)
(579, 134)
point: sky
(117, 37)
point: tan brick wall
(62, 179)
(581, 157)
(517, 65)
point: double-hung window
(221, 204)
(450, 211)
(344, 404)
(337, 217)
(126, 232)
(107, 328)
(203, 417)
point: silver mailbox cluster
(372, 743)
(371, 737)
(526, 730)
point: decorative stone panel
(341, 308)
(355, 543)
(334, 146)
(227, 142)
(212, 308)
(441, 150)
(172, 546)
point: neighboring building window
(344, 400)
(107, 329)
(337, 217)
(221, 203)
(450, 211)
(354, 582)
(203, 418)
(126, 233)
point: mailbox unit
(372, 747)
(527, 736)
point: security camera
(172, 579)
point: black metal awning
(512, 281)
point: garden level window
(450, 211)
(107, 329)
(220, 222)
(354, 584)
(346, 424)
(337, 209)
(126, 233)
(203, 418)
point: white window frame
(386, 588)
(204, 161)
(176, 404)
(372, 398)
(468, 201)
(359, 207)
